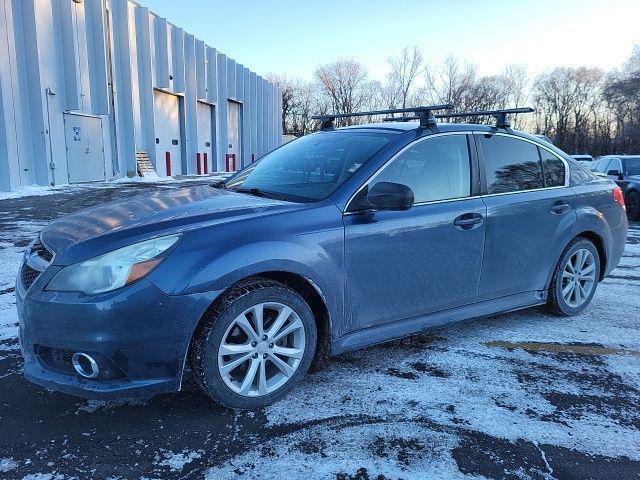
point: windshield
(312, 167)
(632, 165)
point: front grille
(28, 275)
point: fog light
(85, 365)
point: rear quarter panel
(597, 212)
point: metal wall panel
(103, 59)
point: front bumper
(138, 331)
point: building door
(85, 150)
(234, 136)
(166, 111)
(206, 139)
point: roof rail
(424, 114)
(501, 115)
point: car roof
(442, 128)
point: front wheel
(575, 278)
(255, 346)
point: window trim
(567, 171)
(476, 162)
(472, 164)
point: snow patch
(7, 464)
(177, 461)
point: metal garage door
(234, 136)
(85, 149)
(206, 137)
(166, 110)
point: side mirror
(390, 196)
(614, 173)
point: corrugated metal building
(88, 85)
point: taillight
(618, 197)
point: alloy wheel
(261, 349)
(578, 277)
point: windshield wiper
(219, 184)
(256, 192)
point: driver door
(405, 264)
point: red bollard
(198, 167)
(227, 161)
(167, 157)
(206, 164)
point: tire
(557, 301)
(225, 328)
(632, 202)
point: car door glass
(602, 165)
(437, 168)
(552, 168)
(511, 164)
(614, 165)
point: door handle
(559, 208)
(468, 221)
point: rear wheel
(255, 346)
(575, 278)
(632, 202)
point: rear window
(511, 165)
(553, 169)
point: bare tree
(566, 99)
(346, 85)
(449, 82)
(405, 71)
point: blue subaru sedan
(338, 240)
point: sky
(293, 37)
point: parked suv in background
(337, 240)
(625, 171)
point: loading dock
(205, 161)
(166, 113)
(234, 135)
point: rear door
(530, 214)
(410, 263)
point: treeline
(583, 110)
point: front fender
(307, 242)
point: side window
(602, 165)
(511, 164)
(553, 168)
(615, 165)
(435, 169)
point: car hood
(105, 227)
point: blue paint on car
(492, 214)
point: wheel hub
(261, 349)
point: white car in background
(586, 160)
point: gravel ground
(520, 395)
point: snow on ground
(521, 395)
(40, 190)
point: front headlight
(114, 269)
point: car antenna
(423, 113)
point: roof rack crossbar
(423, 113)
(502, 121)
(402, 119)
